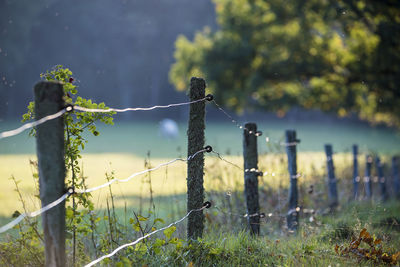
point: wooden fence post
(356, 177)
(333, 197)
(293, 215)
(251, 173)
(381, 179)
(195, 188)
(368, 178)
(396, 176)
(50, 153)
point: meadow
(126, 148)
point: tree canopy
(341, 56)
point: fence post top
(198, 81)
(48, 90)
(249, 125)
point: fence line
(34, 124)
(83, 109)
(205, 205)
(256, 133)
(139, 173)
(260, 173)
(95, 110)
(72, 191)
(35, 213)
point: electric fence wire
(33, 124)
(136, 109)
(78, 108)
(35, 213)
(139, 173)
(256, 133)
(257, 171)
(144, 237)
(73, 191)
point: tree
(341, 56)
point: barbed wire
(35, 213)
(34, 123)
(205, 205)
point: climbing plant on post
(195, 187)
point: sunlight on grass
(224, 176)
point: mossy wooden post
(368, 178)
(195, 188)
(381, 179)
(332, 190)
(292, 216)
(50, 153)
(251, 173)
(356, 176)
(396, 176)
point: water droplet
(267, 139)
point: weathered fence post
(50, 153)
(333, 197)
(195, 188)
(356, 177)
(367, 177)
(251, 173)
(396, 176)
(292, 216)
(381, 179)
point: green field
(138, 137)
(123, 149)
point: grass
(226, 241)
(138, 137)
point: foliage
(373, 252)
(341, 56)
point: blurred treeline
(339, 56)
(120, 50)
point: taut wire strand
(141, 238)
(32, 124)
(135, 109)
(34, 214)
(139, 173)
